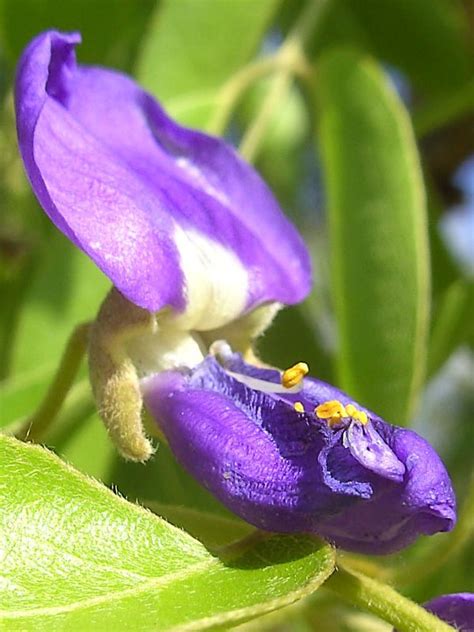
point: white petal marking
(216, 282)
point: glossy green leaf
(77, 557)
(192, 48)
(378, 234)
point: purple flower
(190, 234)
(456, 609)
(172, 216)
(311, 460)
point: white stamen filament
(263, 385)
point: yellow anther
(332, 410)
(362, 417)
(293, 376)
(351, 410)
(355, 413)
(299, 407)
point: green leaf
(77, 556)
(378, 234)
(110, 28)
(453, 323)
(20, 394)
(66, 289)
(444, 269)
(295, 324)
(430, 46)
(192, 48)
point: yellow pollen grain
(331, 409)
(355, 413)
(362, 417)
(299, 407)
(293, 376)
(351, 410)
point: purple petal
(423, 504)
(123, 181)
(339, 470)
(255, 453)
(368, 447)
(456, 609)
(288, 471)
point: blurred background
(360, 115)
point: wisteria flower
(172, 216)
(201, 257)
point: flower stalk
(292, 59)
(384, 602)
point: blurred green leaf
(378, 234)
(449, 107)
(65, 289)
(15, 269)
(444, 270)
(20, 394)
(77, 557)
(453, 323)
(427, 41)
(111, 29)
(192, 48)
(280, 158)
(293, 337)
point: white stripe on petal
(216, 282)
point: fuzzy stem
(383, 601)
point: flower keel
(360, 483)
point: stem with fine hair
(383, 601)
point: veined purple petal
(456, 609)
(368, 447)
(265, 470)
(135, 191)
(284, 470)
